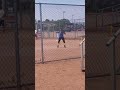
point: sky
(79, 2)
(55, 12)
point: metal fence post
(16, 3)
(113, 63)
(113, 66)
(82, 54)
(74, 29)
(41, 30)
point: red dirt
(51, 52)
(59, 75)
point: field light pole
(63, 14)
(72, 18)
(41, 29)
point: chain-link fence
(102, 61)
(50, 19)
(108, 16)
(16, 58)
(98, 57)
(107, 21)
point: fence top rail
(109, 7)
(82, 41)
(59, 4)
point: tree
(55, 25)
(47, 20)
(62, 23)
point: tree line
(52, 25)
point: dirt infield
(51, 52)
(63, 75)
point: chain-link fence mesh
(7, 53)
(17, 46)
(53, 18)
(118, 55)
(97, 54)
(108, 16)
(99, 63)
(26, 45)
(106, 23)
(99, 60)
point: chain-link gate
(49, 20)
(15, 59)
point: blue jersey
(61, 34)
